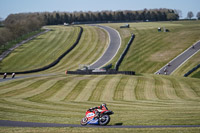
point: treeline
(17, 25)
(113, 16)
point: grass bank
(151, 49)
(136, 100)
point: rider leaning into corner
(97, 113)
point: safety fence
(53, 63)
(192, 70)
(124, 52)
(108, 72)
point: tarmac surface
(111, 51)
(170, 67)
(7, 123)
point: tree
(190, 15)
(1, 21)
(179, 12)
(172, 16)
(198, 16)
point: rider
(102, 106)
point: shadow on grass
(118, 124)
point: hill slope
(151, 49)
(136, 100)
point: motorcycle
(92, 118)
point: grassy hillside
(41, 51)
(92, 44)
(152, 49)
(136, 100)
(46, 48)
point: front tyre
(84, 121)
(104, 120)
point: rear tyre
(104, 120)
(84, 121)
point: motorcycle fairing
(93, 121)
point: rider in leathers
(96, 111)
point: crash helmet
(104, 105)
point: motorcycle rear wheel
(105, 119)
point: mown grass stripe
(99, 88)
(129, 94)
(194, 86)
(42, 88)
(76, 90)
(149, 90)
(90, 88)
(190, 93)
(159, 88)
(18, 86)
(119, 91)
(108, 93)
(49, 92)
(23, 90)
(178, 89)
(139, 89)
(13, 83)
(169, 90)
(11, 104)
(65, 90)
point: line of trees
(16, 25)
(105, 16)
(190, 15)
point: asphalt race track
(179, 60)
(111, 51)
(7, 123)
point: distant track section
(111, 51)
(179, 60)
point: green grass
(91, 46)
(46, 48)
(18, 40)
(42, 50)
(136, 100)
(151, 49)
(196, 74)
(97, 130)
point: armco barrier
(53, 63)
(192, 70)
(124, 52)
(89, 72)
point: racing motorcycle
(102, 117)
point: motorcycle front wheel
(104, 120)
(84, 121)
